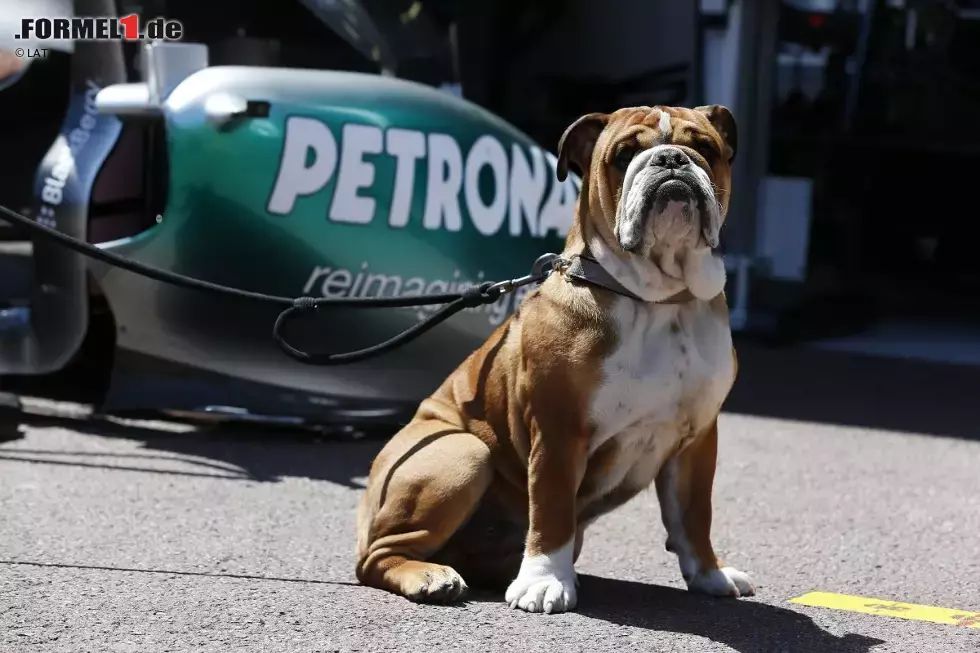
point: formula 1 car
(278, 180)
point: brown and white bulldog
(586, 395)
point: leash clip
(543, 266)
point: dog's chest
(665, 381)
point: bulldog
(609, 377)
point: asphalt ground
(147, 536)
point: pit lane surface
(138, 536)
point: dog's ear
(724, 122)
(577, 143)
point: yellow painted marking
(890, 609)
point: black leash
(486, 293)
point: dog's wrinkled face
(659, 177)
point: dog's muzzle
(673, 189)
(668, 175)
(674, 179)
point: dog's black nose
(671, 158)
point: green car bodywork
(303, 182)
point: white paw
(546, 583)
(726, 581)
(546, 593)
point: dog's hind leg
(424, 485)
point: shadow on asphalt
(229, 452)
(172, 572)
(743, 625)
(786, 383)
(848, 389)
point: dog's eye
(624, 156)
(706, 151)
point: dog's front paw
(726, 581)
(542, 594)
